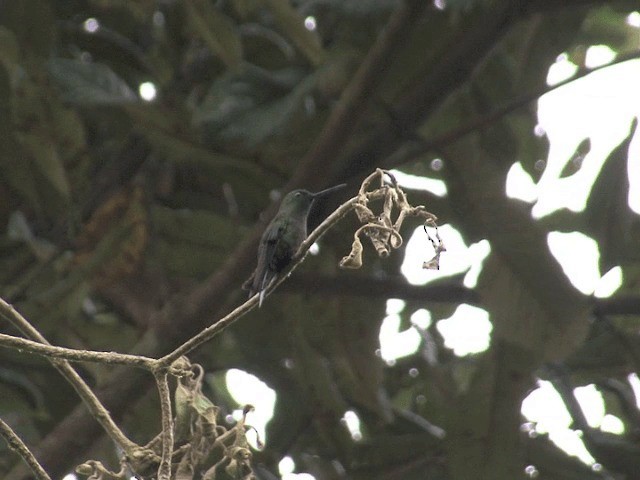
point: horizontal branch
(623, 305)
(50, 351)
(392, 287)
(398, 287)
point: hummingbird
(282, 237)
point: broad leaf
(89, 84)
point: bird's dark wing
(265, 270)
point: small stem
(68, 372)
(50, 351)
(164, 471)
(18, 446)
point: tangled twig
(191, 444)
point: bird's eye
(298, 194)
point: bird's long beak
(327, 191)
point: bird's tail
(250, 285)
(254, 286)
(261, 298)
(262, 287)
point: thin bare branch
(164, 471)
(50, 351)
(18, 446)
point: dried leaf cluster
(381, 229)
(202, 446)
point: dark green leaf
(88, 83)
(47, 162)
(217, 31)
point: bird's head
(300, 201)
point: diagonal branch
(99, 412)
(355, 98)
(18, 446)
(408, 153)
(425, 93)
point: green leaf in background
(191, 242)
(69, 131)
(88, 83)
(46, 161)
(235, 112)
(608, 26)
(293, 26)
(233, 93)
(17, 172)
(216, 30)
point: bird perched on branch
(282, 238)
